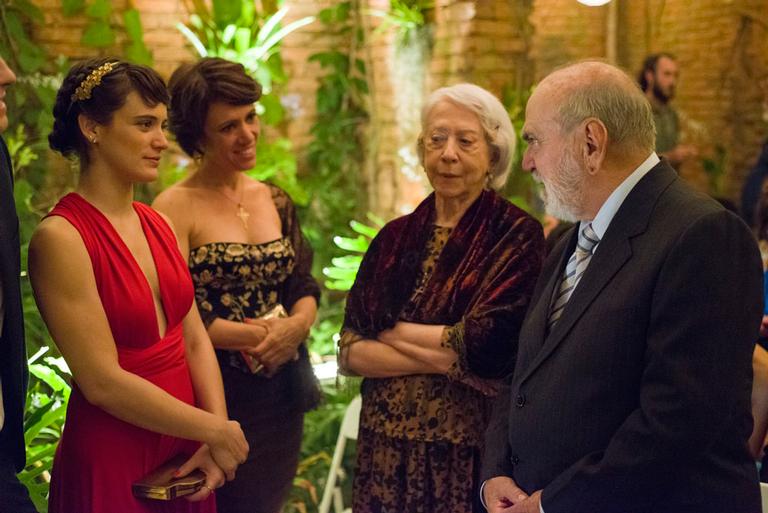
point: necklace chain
(242, 213)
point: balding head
(588, 126)
(598, 90)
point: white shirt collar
(605, 215)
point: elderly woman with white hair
(432, 320)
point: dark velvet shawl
(483, 278)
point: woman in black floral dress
(247, 256)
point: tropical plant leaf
(72, 7)
(30, 10)
(132, 21)
(49, 376)
(274, 113)
(99, 9)
(228, 33)
(242, 39)
(347, 261)
(270, 25)
(193, 39)
(278, 36)
(226, 11)
(98, 34)
(358, 244)
(136, 51)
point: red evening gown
(100, 456)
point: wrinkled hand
(256, 333)
(214, 476)
(530, 505)
(229, 448)
(501, 494)
(281, 343)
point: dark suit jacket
(639, 398)
(13, 355)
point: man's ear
(595, 144)
(650, 77)
(88, 127)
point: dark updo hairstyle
(106, 97)
(194, 87)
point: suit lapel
(613, 252)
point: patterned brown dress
(429, 426)
(236, 281)
(421, 435)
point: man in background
(13, 356)
(658, 79)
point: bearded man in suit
(631, 391)
(13, 357)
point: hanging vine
(337, 151)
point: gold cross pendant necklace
(242, 213)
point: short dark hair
(650, 64)
(194, 87)
(104, 99)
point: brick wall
(722, 46)
(565, 31)
(60, 34)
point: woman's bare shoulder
(57, 246)
(177, 195)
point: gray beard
(554, 207)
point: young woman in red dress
(117, 298)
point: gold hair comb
(83, 91)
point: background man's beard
(661, 95)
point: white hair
(494, 119)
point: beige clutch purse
(161, 485)
(253, 364)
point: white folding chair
(764, 496)
(348, 431)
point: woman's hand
(214, 476)
(284, 335)
(228, 448)
(256, 333)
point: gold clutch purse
(252, 363)
(161, 485)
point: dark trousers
(14, 497)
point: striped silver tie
(577, 264)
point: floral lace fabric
(236, 281)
